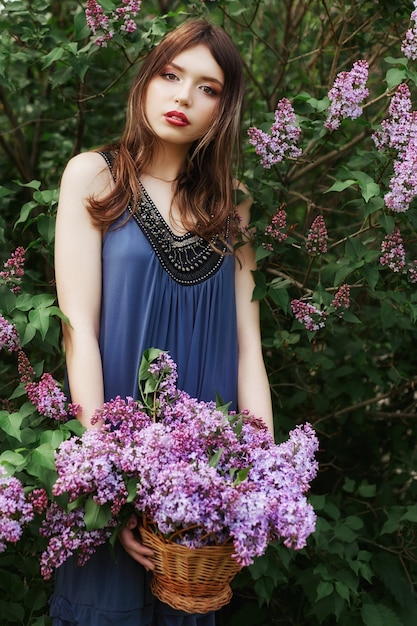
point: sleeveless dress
(175, 293)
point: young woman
(143, 259)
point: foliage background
(353, 380)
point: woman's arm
(78, 278)
(253, 385)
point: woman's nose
(183, 96)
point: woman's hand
(129, 540)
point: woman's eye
(209, 90)
(169, 75)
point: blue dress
(170, 292)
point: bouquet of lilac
(197, 472)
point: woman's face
(182, 100)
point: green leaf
(366, 490)
(11, 423)
(260, 289)
(341, 185)
(12, 459)
(324, 589)
(54, 55)
(96, 516)
(411, 514)
(241, 476)
(261, 253)
(44, 455)
(342, 590)
(379, 615)
(394, 77)
(215, 458)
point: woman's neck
(167, 163)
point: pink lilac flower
(347, 94)
(105, 26)
(341, 300)
(399, 132)
(308, 315)
(409, 44)
(9, 337)
(276, 229)
(316, 242)
(26, 372)
(412, 271)
(49, 400)
(282, 141)
(39, 500)
(13, 270)
(15, 510)
(393, 252)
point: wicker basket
(192, 580)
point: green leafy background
(353, 380)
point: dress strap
(109, 158)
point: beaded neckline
(187, 258)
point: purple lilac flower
(9, 337)
(309, 315)
(282, 141)
(15, 510)
(49, 399)
(409, 44)
(347, 94)
(207, 476)
(67, 536)
(393, 252)
(399, 132)
(403, 184)
(316, 242)
(165, 369)
(341, 300)
(13, 270)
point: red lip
(176, 118)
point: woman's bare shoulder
(87, 170)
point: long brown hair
(205, 189)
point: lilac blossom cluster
(15, 510)
(49, 400)
(9, 337)
(194, 471)
(68, 535)
(399, 133)
(393, 256)
(409, 44)
(104, 26)
(314, 318)
(276, 230)
(316, 242)
(308, 315)
(347, 94)
(341, 299)
(282, 141)
(13, 270)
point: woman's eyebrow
(208, 78)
